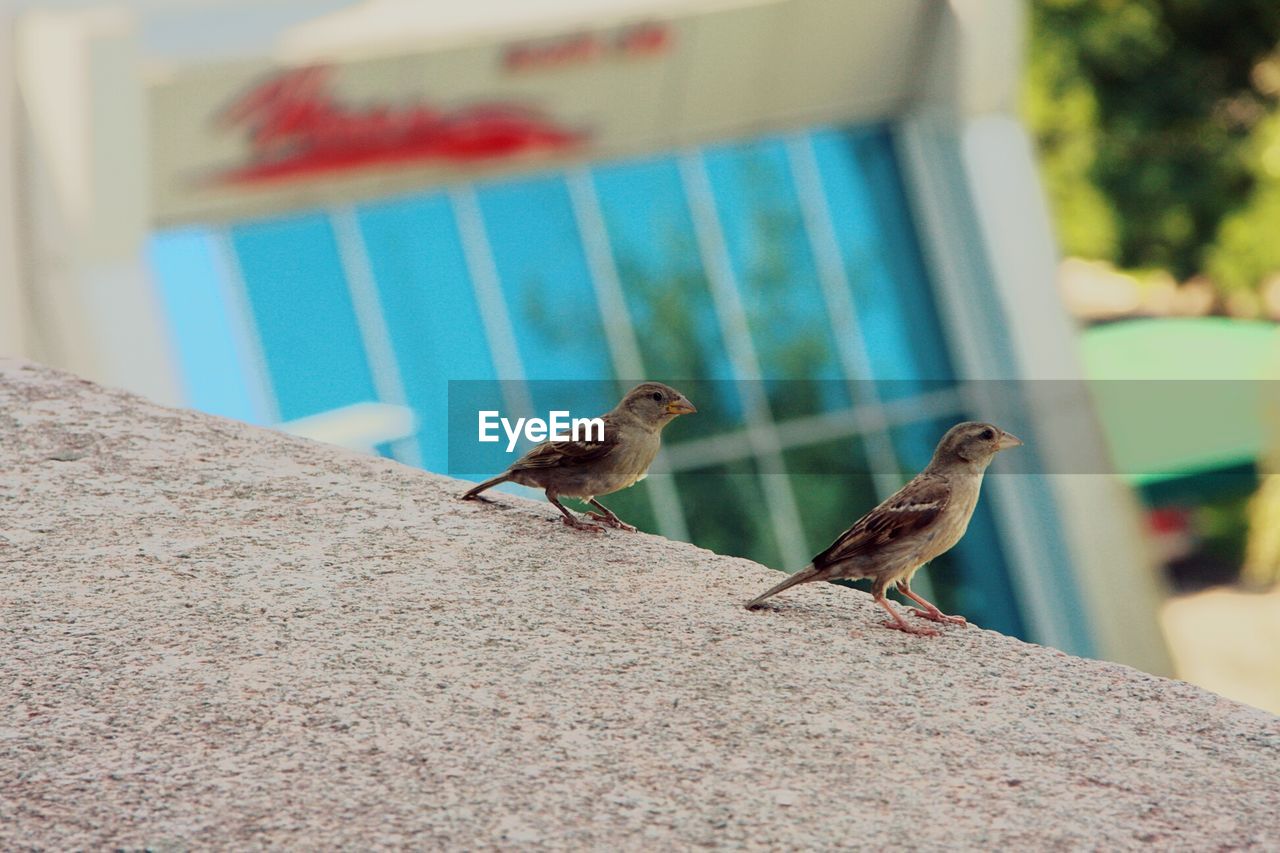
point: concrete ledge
(219, 636)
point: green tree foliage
(1060, 106)
(1248, 244)
(1149, 118)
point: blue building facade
(778, 279)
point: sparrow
(917, 523)
(587, 469)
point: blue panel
(896, 310)
(650, 230)
(436, 332)
(903, 255)
(533, 235)
(777, 278)
(299, 298)
(215, 373)
(668, 297)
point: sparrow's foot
(578, 524)
(938, 616)
(911, 629)
(612, 521)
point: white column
(971, 172)
(15, 317)
(85, 103)
(1099, 514)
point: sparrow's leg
(930, 612)
(900, 624)
(569, 519)
(608, 518)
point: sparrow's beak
(1008, 440)
(681, 406)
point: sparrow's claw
(577, 524)
(612, 521)
(938, 616)
(911, 629)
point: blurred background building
(1158, 131)
(823, 220)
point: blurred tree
(1248, 245)
(1060, 107)
(1148, 116)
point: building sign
(244, 139)
(631, 42)
(297, 127)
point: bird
(923, 519)
(588, 469)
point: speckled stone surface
(219, 636)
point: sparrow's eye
(657, 396)
(987, 434)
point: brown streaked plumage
(588, 469)
(917, 523)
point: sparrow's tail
(487, 484)
(808, 573)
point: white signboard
(236, 140)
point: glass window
(896, 311)
(773, 267)
(213, 367)
(533, 237)
(777, 281)
(650, 234)
(417, 262)
(302, 310)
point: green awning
(1179, 396)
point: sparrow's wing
(562, 454)
(913, 507)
